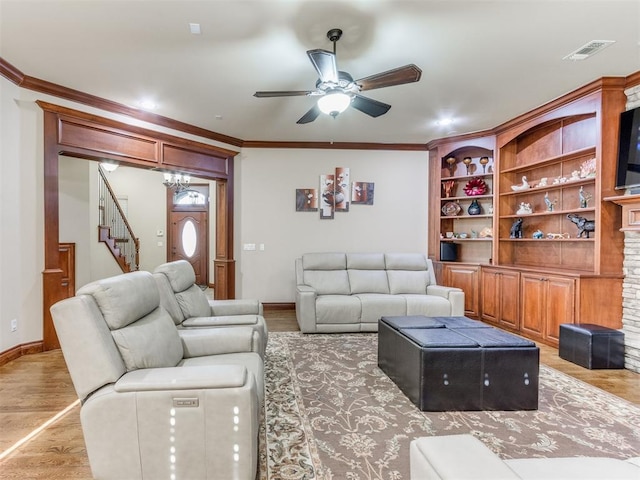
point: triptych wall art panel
(335, 194)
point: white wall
(74, 213)
(266, 181)
(21, 218)
(9, 217)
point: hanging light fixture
(176, 181)
(109, 166)
(334, 102)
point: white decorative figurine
(523, 186)
(525, 209)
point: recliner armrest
(198, 342)
(306, 308)
(182, 378)
(441, 290)
(235, 307)
(454, 295)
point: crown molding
(42, 86)
(14, 75)
(336, 145)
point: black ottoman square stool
(455, 363)
(591, 346)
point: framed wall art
(306, 200)
(327, 196)
(362, 193)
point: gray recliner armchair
(189, 306)
(159, 402)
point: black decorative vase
(474, 208)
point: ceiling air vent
(591, 48)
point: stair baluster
(114, 229)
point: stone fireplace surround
(631, 263)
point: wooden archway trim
(78, 134)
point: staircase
(114, 229)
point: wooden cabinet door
(500, 297)
(510, 299)
(560, 306)
(532, 295)
(490, 295)
(465, 277)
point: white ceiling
(483, 62)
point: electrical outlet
(14, 324)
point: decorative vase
(474, 208)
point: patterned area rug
(331, 413)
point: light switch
(249, 246)
(262, 247)
(160, 244)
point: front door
(188, 232)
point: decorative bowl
(451, 209)
(475, 186)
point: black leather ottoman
(591, 346)
(466, 368)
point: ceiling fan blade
(310, 116)
(397, 76)
(325, 63)
(369, 106)
(284, 93)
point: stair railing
(114, 229)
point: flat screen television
(629, 150)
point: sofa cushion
(429, 305)
(125, 298)
(368, 281)
(405, 261)
(152, 341)
(413, 282)
(329, 282)
(324, 261)
(376, 305)
(193, 302)
(338, 309)
(365, 261)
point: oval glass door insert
(189, 238)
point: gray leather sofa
(159, 402)
(190, 308)
(460, 457)
(349, 292)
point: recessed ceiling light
(589, 49)
(444, 122)
(147, 104)
(194, 28)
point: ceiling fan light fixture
(334, 103)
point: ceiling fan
(337, 90)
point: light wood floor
(34, 388)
